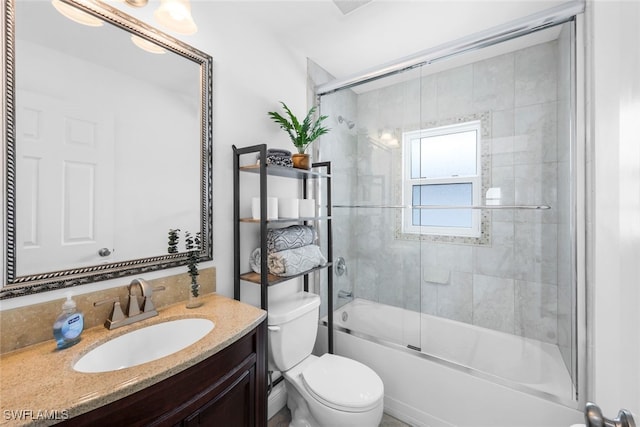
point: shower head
(349, 123)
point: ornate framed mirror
(106, 146)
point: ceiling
(374, 33)
(369, 34)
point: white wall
(251, 73)
(613, 115)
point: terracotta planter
(301, 161)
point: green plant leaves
(301, 134)
(192, 243)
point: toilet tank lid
(291, 307)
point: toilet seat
(343, 384)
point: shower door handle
(594, 418)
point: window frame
(475, 180)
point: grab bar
(495, 207)
(594, 418)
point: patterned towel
(278, 152)
(291, 261)
(295, 261)
(280, 161)
(278, 157)
(295, 236)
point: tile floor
(282, 418)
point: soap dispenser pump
(69, 324)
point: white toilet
(326, 391)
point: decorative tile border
(485, 160)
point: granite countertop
(38, 381)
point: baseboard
(277, 399)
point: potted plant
(301, 133)
(192, 245)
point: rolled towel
(295, 236)
(289, 262)
(295, 261)
(277, 156)
(280, 161)
(278, 152)
(254, 260)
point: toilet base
(300, 415)
(306, 411)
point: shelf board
(285, 220)
(273, 279)
(285, 172)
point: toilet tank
(293, 326)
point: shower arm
(519, 207)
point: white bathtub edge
(428, 392)
(411, 415)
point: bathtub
(439, 372)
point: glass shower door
(380, 290)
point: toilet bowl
(334, 391)
(323, 391)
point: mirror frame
(15, 286)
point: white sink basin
(144, 345)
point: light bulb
(76, 15)
(146, 45)
(176, 16)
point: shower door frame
(569, 12)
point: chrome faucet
(345, 294)
(135, 311)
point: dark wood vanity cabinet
(228, 389)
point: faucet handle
(116, 312)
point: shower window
(442, 168)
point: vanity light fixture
(176, 16)
(76, 14)
(147, 45)
(137, 3)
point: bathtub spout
(345, 294)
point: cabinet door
(235, 406)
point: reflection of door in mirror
(64, 154)
(156, 174)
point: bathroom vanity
(219, 380)
(220, 390)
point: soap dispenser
(69, 324)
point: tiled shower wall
(514, 284)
